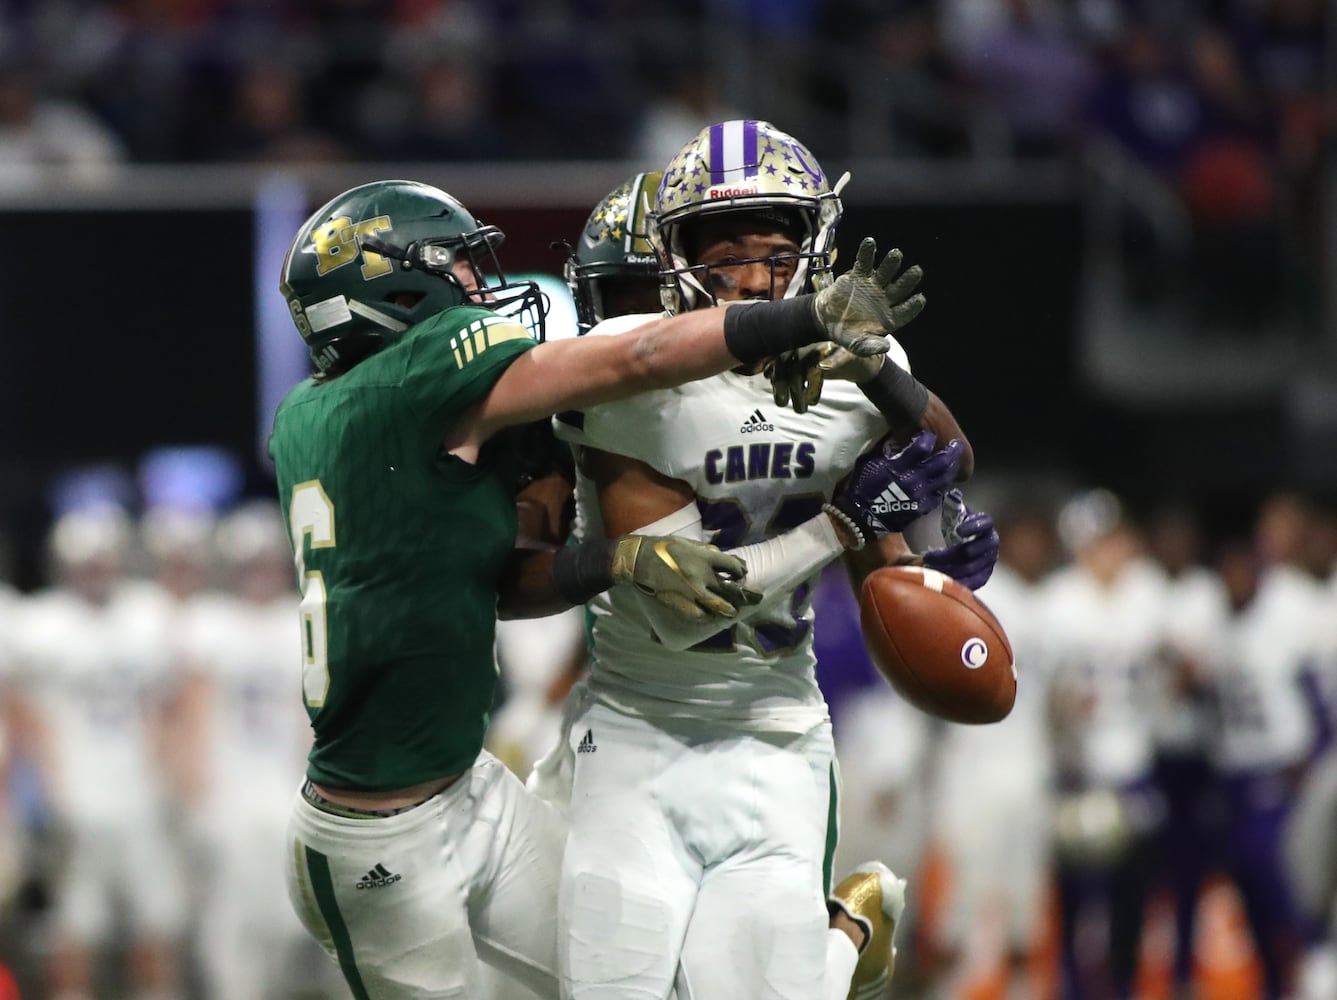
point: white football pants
(410, 904)
(697, 860)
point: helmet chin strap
(376, 316)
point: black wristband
(764, 329)
(898, 395)
(581, 571)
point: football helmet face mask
(613, 254)
(745, 167)
(383, 257)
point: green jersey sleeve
(455, 359)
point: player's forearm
(588, 371)
(941, 421)
(676, 349)
(889, 551)
(527, 588)
(909, 407)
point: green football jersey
(398, 547)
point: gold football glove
(692, 578)
(867, 303)
(864, 306)
(798, 376)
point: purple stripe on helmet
(717, 153)
(750, 158)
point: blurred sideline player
(1104, 615)
(414, 854)
(93, 676)
(241, 744)
(1195, 614)
(1000, 867)
(1269, 723)
(708, 817)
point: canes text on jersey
(764, 460)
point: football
(938, 646)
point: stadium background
(1147, 304)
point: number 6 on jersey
(312, 513)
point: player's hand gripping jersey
(399, 548)
(757, 471)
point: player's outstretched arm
(854, 312)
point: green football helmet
(743, 166)
(613, 257)
(379, 259)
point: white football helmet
(743, 166)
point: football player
(703, 804)
(613, 271)
(1270, 722)
(93, 675)
(1105, 621)
(413, 853)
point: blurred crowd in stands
(314, 80)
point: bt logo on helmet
(732, 192)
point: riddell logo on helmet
(732, 192)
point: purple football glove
(889, 488)
(972, 543)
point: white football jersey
(1265, 718)
(1195, 612)
(97, 676)
(757, 470)
(258, 731)
(1106, 641)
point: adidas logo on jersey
(755, 423)
(893, 500)
(376, 878)
(587, 744)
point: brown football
(937, 645)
